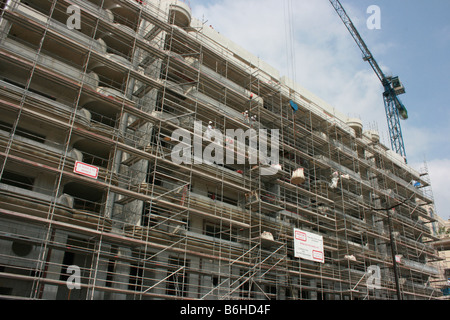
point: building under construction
(89, 104)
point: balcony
(180, 13)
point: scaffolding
(110, 95)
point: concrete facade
(111, 94)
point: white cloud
(422, 141)
(440, 178)
(328, 62)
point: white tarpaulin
(308, 246)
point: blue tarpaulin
(293, 105)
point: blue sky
(413, 43)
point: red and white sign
(308, 246)
(300, 235)
(317, 255)
(86, 170)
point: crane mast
(392, 85)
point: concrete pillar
(54, 268)
(121, 274)
(100, 271)
(313, 283)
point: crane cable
(290, 39)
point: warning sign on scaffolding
(308, 246)
(86, 170)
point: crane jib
(392, 85)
